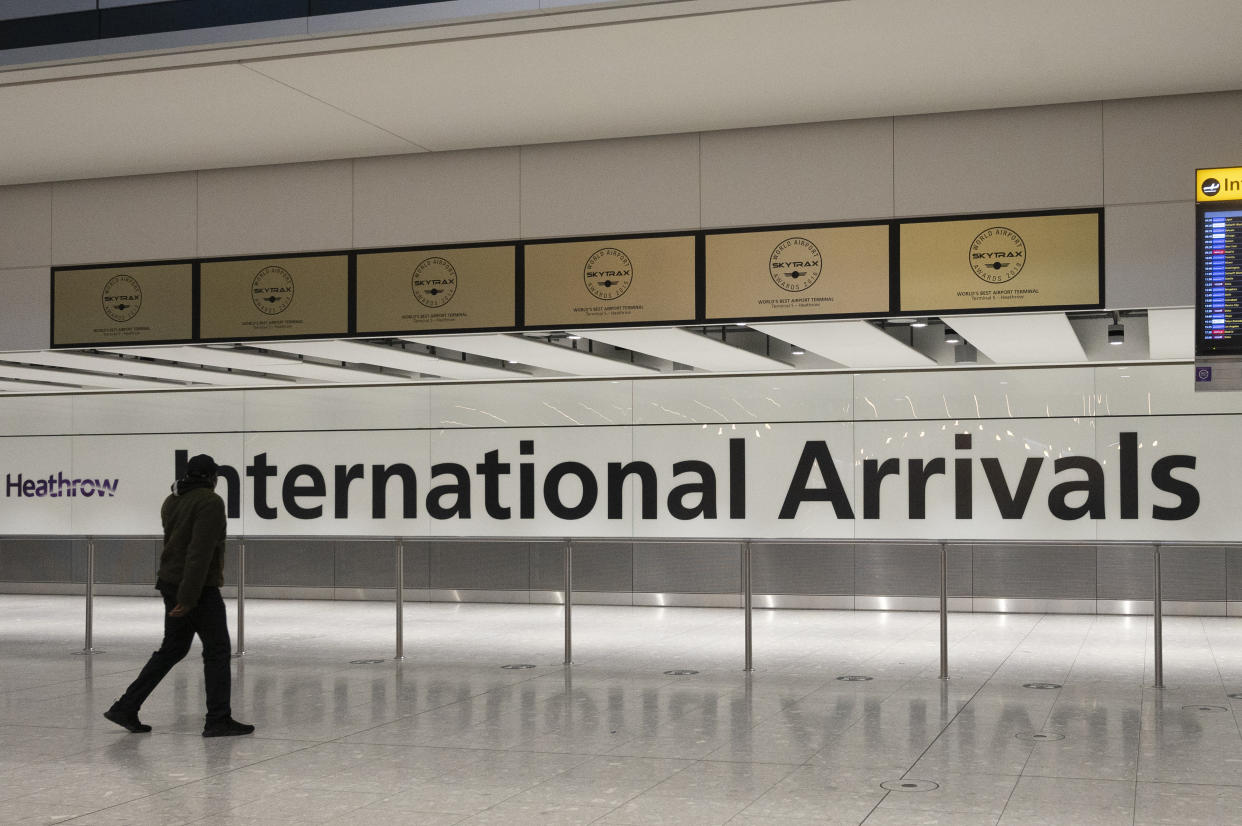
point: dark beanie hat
(201, 466)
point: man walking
(190, 576)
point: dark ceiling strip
(173, 16)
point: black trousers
(208, 620)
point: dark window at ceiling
(172, 16)
(179, 15)
(341, 6)
(49, 29)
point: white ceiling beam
(1021, 338)
(86, 381)
(522, 350)
(383, 356)
(685, 347)
(848, 343)
(143, 369)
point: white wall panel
(744, 399)
(26, 314)
(973, 394)
(996, 160)
(771, 457)
(329, 427)
(32, 459)
(1152, 146)
(149, 217)
(522, 404)
(144, 467)
(36, 415)
(614, 186)
(790, 174)
(1158, 389)
(433, 198)
(1013, 443)
(118, 413)
(1149, 255)
(329, 409)
(592, 447)
(284, 451)
(1216, 477)
(291, 208)
(25, 226)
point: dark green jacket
(194, 528)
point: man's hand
(179, 611)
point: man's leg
(211, 623)
(178, 635)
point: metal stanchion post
(569, 601)
(241, 599)
(747, 600)
(944, 611)
(89, 646)
(1157, 616)
(400, 600)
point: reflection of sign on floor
(1218, 374)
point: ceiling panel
(685, 347)
(143, 369)
(848, 343)
(178, 119)
(383, 356)
(1171, 333)
(524, 350)
(29, 387)
(259, 362)
(90, 382)
(1036, 338)
(598, 73)
(839, 63)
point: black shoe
(228, 727)
(126, 720)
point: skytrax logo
(56, 486)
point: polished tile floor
(451, 736)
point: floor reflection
(448, 736)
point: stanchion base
(399, 659)
(89, 651)
(239, 654)
(944, 677)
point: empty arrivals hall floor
(1046, 719)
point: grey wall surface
(352, 568)
(1136, 158)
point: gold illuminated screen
(610, 281)
(441, 289)
(118, 305)
(826, 271)
(1219, 184)
(1001, 263)
(275, 297)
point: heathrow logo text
(57, 485)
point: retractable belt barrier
(747, 594)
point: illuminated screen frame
(1206, 346)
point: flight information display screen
(1218, 316)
